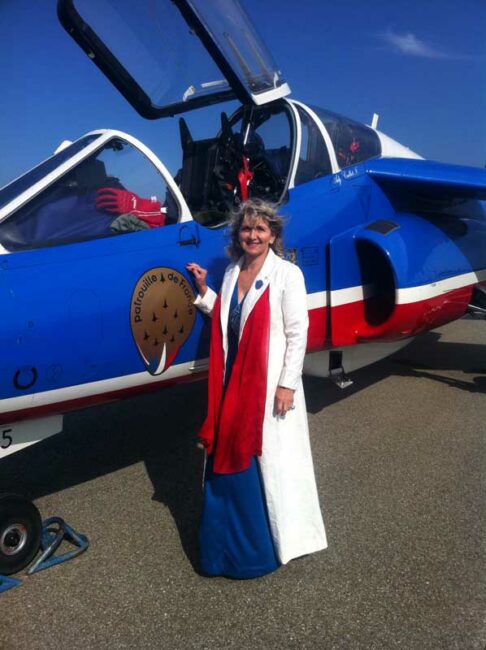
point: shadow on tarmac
(160, 429)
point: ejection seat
(208, 175)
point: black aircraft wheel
(20, 533)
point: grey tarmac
(400, 465)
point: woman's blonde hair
(255, 209)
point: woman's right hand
(200, 275)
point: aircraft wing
(423, 184)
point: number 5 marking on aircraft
(6, 438)
(15, 436)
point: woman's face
(255, 236)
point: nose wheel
(20, 533)
(23, 534)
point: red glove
(117, 201)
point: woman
(260, 499)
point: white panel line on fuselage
(410, 294)
(99, 387)
(435, 289)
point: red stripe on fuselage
(349, 324)
(316, 335)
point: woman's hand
(200, 275)
(284, 400)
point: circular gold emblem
(162, 316)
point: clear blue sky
(420, 64)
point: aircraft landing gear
(336, 369)
(20, 533)
(23, 534)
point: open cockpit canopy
(171, 56)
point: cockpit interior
(265, 151)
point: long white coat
(286, 461)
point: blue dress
(235, 539)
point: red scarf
(233, 427)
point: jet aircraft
(94, 241)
